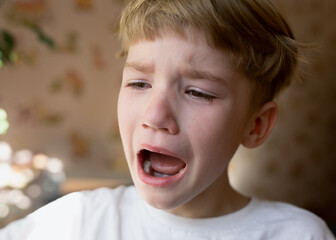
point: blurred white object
(22, 157)
(5, 152)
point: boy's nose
(159, 114)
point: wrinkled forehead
(191, 46)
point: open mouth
(160, 165)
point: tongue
(165, 164)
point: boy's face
(183, 110)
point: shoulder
(91, 204)
(77, 201)
(72, 216)
(280, 211)
(287, 219)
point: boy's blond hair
(259, 41)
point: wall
(61, 100)
(298, 163)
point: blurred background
(59, 82)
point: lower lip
(160, 182)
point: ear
(261, 125)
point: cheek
(121, 114)
(125, 123)
(124, 116)
(214, 136)
(126, 107)
(129, 117)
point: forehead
(190, 49)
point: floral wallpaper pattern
(60, 84)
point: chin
(160, 198)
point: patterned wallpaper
(61, 101)
(60, 89)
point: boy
(199, 80)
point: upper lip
(160, 150)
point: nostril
(148, 124)
(171, 128)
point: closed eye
(138, 85)
(200, 95)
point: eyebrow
(199, 74)
(190, 72)
(140, 67)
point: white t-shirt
(107, 214)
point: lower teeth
(147, 166)
(157, 174)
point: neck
(217, 200)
